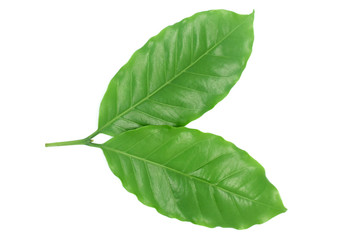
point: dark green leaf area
(180, 73)
(193, 176)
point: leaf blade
(193, 176)
(190, 65)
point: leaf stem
(94, 134)
(84, 141)
(91, 144)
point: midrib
(186, 175)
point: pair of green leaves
(173, 79)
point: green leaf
(193, 176)
(179, 74)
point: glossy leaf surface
(180, 73)
(193, 176)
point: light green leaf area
(180, 73)
(193, 176)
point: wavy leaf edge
(164, 213)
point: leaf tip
(252, 14)
(284, 209)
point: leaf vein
(171, 189)
(193, 187)
(150, 182)
(154, 117)
(187, 88)
(230, 175)
(184, 150)
(172, 105)
(212, 196)
(160, 146)
(212, 160)
(206, 75)
(136, 143)
(131, 121)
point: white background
(295, 110)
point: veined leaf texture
(193, 176)
(180, 73)
(173, 79)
